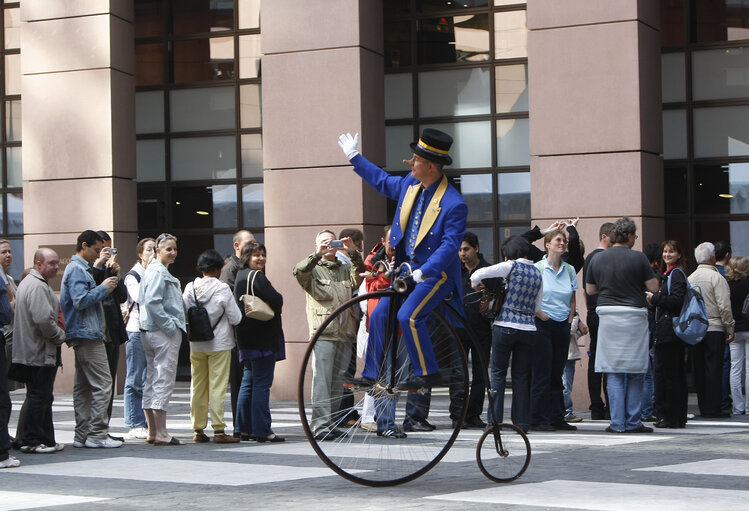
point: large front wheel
(358, 431)
(503, 453)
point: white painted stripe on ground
(609, 439)
(12, 500)
(716, 467)
(176, 471)
(603, 496)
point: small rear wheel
(503, 452)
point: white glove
(417, 276)
(349, 144)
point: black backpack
(199, 328)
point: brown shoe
(221, 438)
(201, 438)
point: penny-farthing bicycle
(503, 452)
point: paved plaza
(705, 466)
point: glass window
(149, 64)
(399, 96)
(486, 242)
(454, 92)
(252, 155)
(249, 14)
(252, 204)
(721, 131)
(722, 20)
(15, 167)
(454, 39)
(674, 134)
(190, 247)
(150, 160)
(397, 44)
(449, 5)
(12, 28)
(673, 23)
(513, 142)
(738, 236)
(511, 86)
(514, 196)
(509, 2)
(202, 109)
(202, 60)
(711, 188)
(505, 232)
(678, 230)
(471, 143)
(15, 213)
(149, 112)
(204, 206)
(396, 7)
(17, 266)
(13, 120)
(720, 74)
(149, 18)
(738, 187)
(199, 16)
(250, 103)
(673, 77)
(477, 192)
(249, 56)
(151, 207)
(12, 74)
(675, 185)
(510, 35)
(204, 158)
(397, 140)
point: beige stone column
(78, 93)
(322, 75)
(595, 120)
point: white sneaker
(58, 447)
(78, 445)
(99, 443)
(137, 434)
(11, 462)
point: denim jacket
(160, 300)
(80, 299)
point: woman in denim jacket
(162, 321)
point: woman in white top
(135, 419)
(210, 360)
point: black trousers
(4, 403)
(38, 427)
(670, 381)
(708, 372)
(478, 383)
(113, 358)
(595, 380)
(236, 371)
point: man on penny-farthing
(427, 231)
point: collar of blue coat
(432, 210)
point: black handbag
(199, 323)
(493, 297)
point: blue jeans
(625, 400)
(568, 378)
(647, 390)
(519, 344)
(253, 401)
(136, 375)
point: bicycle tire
(361, 456)
(508, 463)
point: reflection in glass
(149, 64)
(471, 143)
(514, 190)
(721, 131)
(397, 40)
(510, 35)
(249, 106)
(252, 205)
(149, 112)
(150, 160)
(204, 158)
(454, 92)
(249, 14)
(149, 18)
(204, 206)
(15, 213)
(486, 242)
(674, 134)
(199, 16)
(13, 120)
(202, 60)
(252, 155)
(505, 232)
(513, 142)
(12, 74)
(720, 74)
(15, 167)
(454, 39)
(249, 56)
(511, 84)
(12, 31)
(722, 20)
(739, 237)
(673, 77)
(675, 184)
(398, 96)
(477, 192)
(449, 5)
(202, 109)
(397, 140)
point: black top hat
(434, 145)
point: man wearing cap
(427, 231)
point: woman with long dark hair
(737, 274)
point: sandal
(173, 441)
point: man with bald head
(37, 337)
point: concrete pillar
(322, 75)
(78, 95)
(595, 119)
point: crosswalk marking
(12, 500)
(716, 467)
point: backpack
(199, 323)
(691, 324)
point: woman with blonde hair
(737, 274)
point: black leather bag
(199, 323)
(493, 297)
